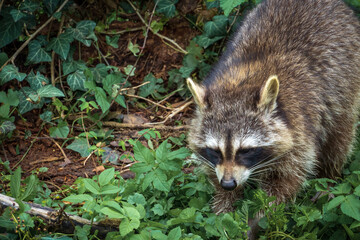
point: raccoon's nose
(228, 184)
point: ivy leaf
(112, 41)
(60, 131)
(37, 54)
(9, 30)
(7, 127)
(11, 98)
(216, 27)
(130, 70)
(83, 31)
(204, 41)
(229, 5)
(167, 7)
(61, 45)
(9, 73)
(134, 48)
(351, 207)
(81, 146)
(28, 100)
(29, 5)
(76, 80)
(36, 81)
(51, 5)
(17, 14)
(101, 99)
(151, 87)
(72, 66)
(99, 72)
(50, 91)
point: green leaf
(106, 176)
(50, 91)
(81, 146)
(6, 127)
(134, 48)
(112, 41)
(175, 234)
(130, 70)
(343, 188)
(11, 98)
(15, 183)
(149, 178)
(29, 5)
(158, 209)
(101, 99)
(37, 54)
(204, 41)
(17, 14)
(110, 189)
(99, 72)
(61, 45)
(229, 5)
(216, 27)
(143, 154)
(9, 73)
(79, 198)
(9, 30)
(72, 66)
(140, 167)
(127, 226)
(76, 80)
(160, 181)
(167, 7)
(28, 100)
(92, 186)
(351, 207)
(335, 202)
(131, 211)
(137, 198)
(152, 87)
(51, 5)
(112, 213)
(36, 81)
(31, 187)
(83, 31)
(181, 153)
(60, 131)
(162, 151)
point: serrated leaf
(162, 151)
(15, 183)
(137, 198)
(9, 73)
(61, 45)
(9, 30)
(106, 176)
(127, 226)
(72, 66)
(81, 146)
(140, 167)
(335, 202)
(167, 7)
(216, 27)
(91, 186)
(79, 198)
(175, 234)
(160, 181)
(110, 189)
(17, 14)
(149, 178)
(31, 187)
(37, 54)
(143, 154)
(158, 209)
(204, 41)
(76, 80)
(229, 5)
(50, 91)
(181, 153)
(351, 207)
(36, 81)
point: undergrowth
(43, 72)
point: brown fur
(313, 48)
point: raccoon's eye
(244, 151)
(212, 155)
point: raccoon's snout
(228, 184)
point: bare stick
(32, 36)
(145, 125)
(148, 100)
(178, 47)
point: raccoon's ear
(268, 93)
(197, 91)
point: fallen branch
(145, 125)
(65, 223)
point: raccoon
(282, 102)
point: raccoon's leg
(337, 147)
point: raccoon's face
(238, 136)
